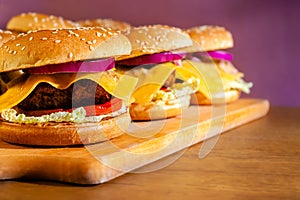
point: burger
(31, 21)
(107, 23)
(164, 87)
(61, 87)
(220, 81)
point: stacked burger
(68, 83)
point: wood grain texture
(259, 160)
(146, 142)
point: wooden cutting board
(144, 143)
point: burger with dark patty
(59, 87)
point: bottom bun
(64, 134)
(158, 110)
(230, 96)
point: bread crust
(155, 39)
(47, 47)
(107, 23)
(37, 21)
(6, 36)
(209, 38)
(158, 110)
(230, 96)
(63, 134)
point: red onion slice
(75, 67)
(222, 55)
(153, 59)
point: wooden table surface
(260, 160)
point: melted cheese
(120, 87)
(150, 81)
(214, 81)
(210, 80)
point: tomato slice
(103, 109)
(100, 109)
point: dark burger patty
(81, 93)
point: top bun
(5, 36)
(210, 38)
(107, 23)
(155, 39)
(39, 48)
(36, 21)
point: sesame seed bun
(155, 39)
(36, 21)
(47, 47)
(107, 23)
(5, 36)
(209, 38)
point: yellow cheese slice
(155, 79)
(120, 87)
(210, 80)
(213, 82)
(152, 82)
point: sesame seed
(89, 42)
(109, 33)
(83, 39)
(44, 38)
(70, 55)
(103, 29)
(104, 35)
(23, 48)
(98, 34)
(55, 24)
(5, 47)
(138, 41)
(57, 41)
(10, 51)
(76, 35)
(7, 32)
(91, 48)
(17, 45)
(14, 52)
(31, 38)
(94, 41)
(54, 32)
(35, 19)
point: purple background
(266, 32)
